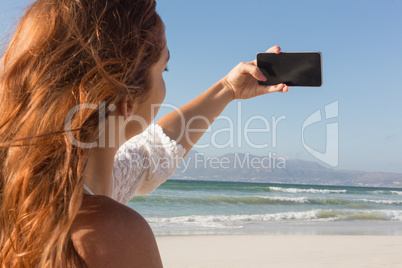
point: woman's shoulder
(109, 234)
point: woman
(77, 80)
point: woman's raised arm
(187, 124)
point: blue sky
(361, 45)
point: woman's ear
(126, 107)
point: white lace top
(143, 163)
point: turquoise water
(206, 207)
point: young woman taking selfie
(80, 84)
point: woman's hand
(243, 80)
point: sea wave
(255, 200)
(200, 219)
(303, 216)
(314, 191)
(388, 192)
(224, 199)
(250, 200)
(385, 202)
(263, 200)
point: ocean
(180, 207)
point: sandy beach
(281, 251)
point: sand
(281, 251)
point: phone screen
(296, 69)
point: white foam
(388, 215)
(287, 199)
(226, 219)
(314, 191)
(385, 202)
(393, 215)
(237, 221)
(388, 192)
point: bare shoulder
(109, 234)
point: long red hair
(63, 53)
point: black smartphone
(295, 69)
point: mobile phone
(295, 69)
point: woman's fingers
(274, 49)
(271, 89)
(249, 68)
(243, 87)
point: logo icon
(331, 154)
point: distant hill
(252, 168)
